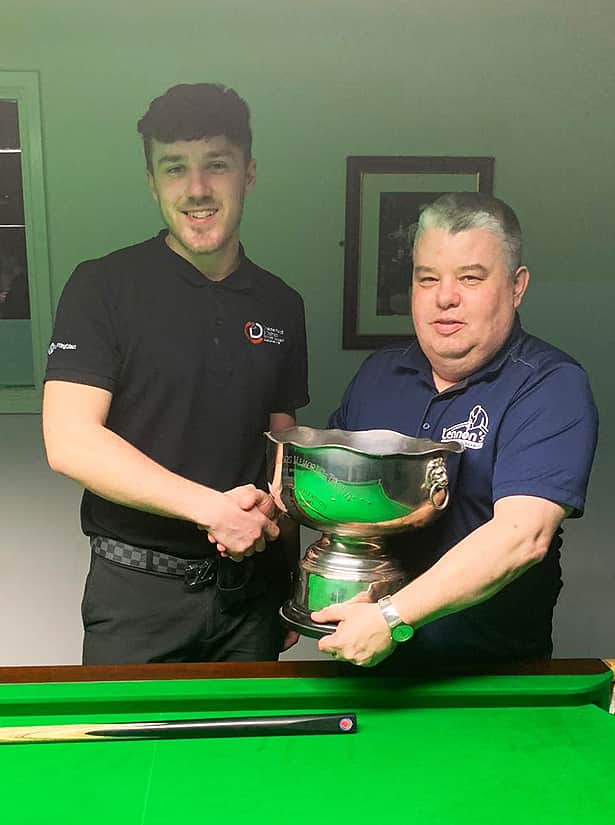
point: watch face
(402, 632)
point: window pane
(25, 305)
(11, 192)
(9, 129)
(14, 299)
(15, 328)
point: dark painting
(399, 213)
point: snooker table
(527, 744)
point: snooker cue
(183, 729)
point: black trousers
(136, 617)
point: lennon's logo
(254, 332)
(470, 433)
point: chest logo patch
(258, 333)
(470, 433)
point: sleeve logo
(59, 345)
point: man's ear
(521, 279)
(250, 175)
(151, 185)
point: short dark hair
(459, 211)
(191, 111)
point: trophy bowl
(356, 488)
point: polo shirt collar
(240, 280)
(414, 359)
(497, 362)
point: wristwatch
(400, 631)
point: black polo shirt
(195, 367)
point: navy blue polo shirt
(528, 422)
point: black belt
(196, 573)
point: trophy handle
(435, 488)
(436, 479)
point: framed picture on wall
(383, 198)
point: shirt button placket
(425, 426)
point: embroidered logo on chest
(258, 333)
(470, 433)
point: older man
(485, 578)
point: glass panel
(14, 297)
(9, 128)
(16, 366)
(25, 299)
(11, 191)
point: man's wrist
(204, 503)
(400, 631)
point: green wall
(531, 83)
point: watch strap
(400, 631)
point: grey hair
(459, 211)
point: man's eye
(219, 166)
(174, 170)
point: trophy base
(300, 621)
(333, 571)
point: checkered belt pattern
(143, 558)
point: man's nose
(448, 294)
(199, 185)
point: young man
(485, 577)
(169, 360)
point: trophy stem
(336, 569)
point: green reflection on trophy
(356, 488)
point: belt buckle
(199, 573)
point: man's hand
(362, 636)
(243, 523)
(250, 496)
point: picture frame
(383, 198)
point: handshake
(241, 521)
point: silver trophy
(356, 488)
